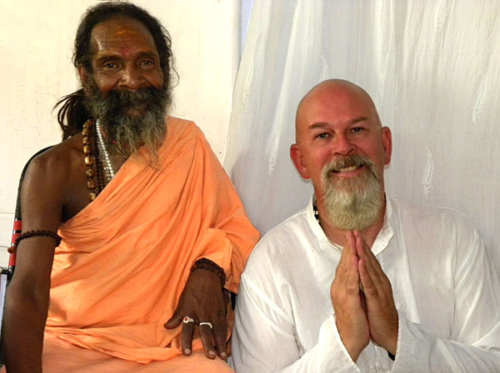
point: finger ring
(209, 324)
(187, 320)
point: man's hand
(380, 309)
(202, 300)
(350, 315)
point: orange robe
(124, 259)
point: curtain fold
(430, 66)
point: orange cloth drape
(124, 259)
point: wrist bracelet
(210, 266)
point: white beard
(352, 203)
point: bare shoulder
(52, 182)
(59, 157)
(56, 166)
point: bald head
(331, 93)
(343, 148)
(338, 119)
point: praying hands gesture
(362, 299)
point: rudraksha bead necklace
(94, 173)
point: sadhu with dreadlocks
(133, 234)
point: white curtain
(433, 70)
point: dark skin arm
(26, 309)
(43, 200)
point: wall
(36, 42)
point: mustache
(354, 160)
(119, 99)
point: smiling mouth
(354, 167)
(347, 169)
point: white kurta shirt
(445, 289)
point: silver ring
(209, 324)
(187, 320)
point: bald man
(359, 282)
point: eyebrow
(108, 56)
(326, 124)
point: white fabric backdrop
(432, 68)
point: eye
(110, 65)
(322, 135)
(147, 63)
(357, 129)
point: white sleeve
(419, 351)
(474, 341)
(264, 339)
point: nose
(343, 145)
(131, 78)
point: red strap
(12, 260)
(18, 225)
(18, 228)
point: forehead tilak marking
(127, 37)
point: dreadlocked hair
(72, 114)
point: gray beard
(353, 203)
(131, 119)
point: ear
(387, 144)
(298, 161)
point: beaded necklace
(94, 172)
(315, 210)
(89, 159)
(109, 169)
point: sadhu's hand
(203, 301)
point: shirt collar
(386, 232)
